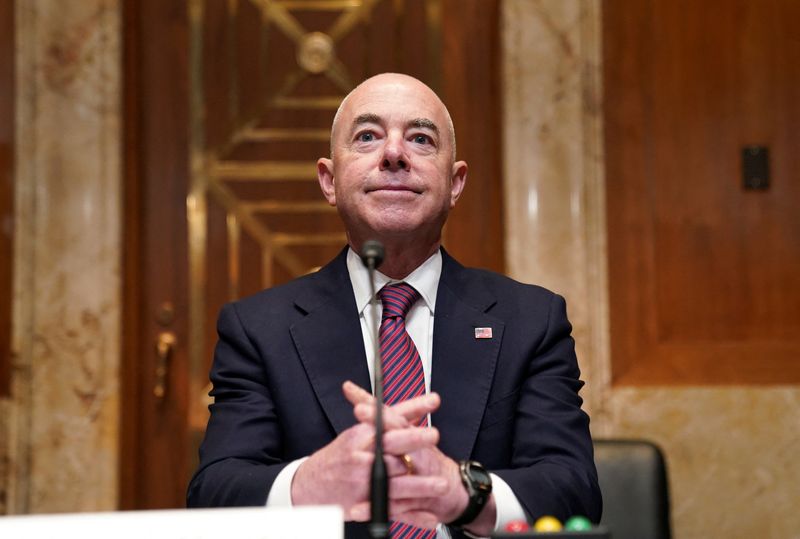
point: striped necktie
(403, 377)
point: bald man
(494, 431)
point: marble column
(732, 451)
(553, 167)
(62, 420)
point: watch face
(480, 477)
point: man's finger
(365, 413)
(415, 488)
(395, 466)
(356, 394)
(359, 436)
(404, 441)
(358, 512)
(400, 415)
(418, 407)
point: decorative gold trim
(255, 228)
(327, 102)
(234, 255)
(264, 170)
(279, 206)
(337, 72)
(282, 19)
(315, 52)
(318, 5)
(293, 240)
(274, 134)
(349, 19)
(290, 83)
(196, 210)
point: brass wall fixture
(165, 345)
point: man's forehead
(387, 92)
(387, 86)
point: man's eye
(366, 137)
(421, 139)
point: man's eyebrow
(372, 118)
(424, 123)
(366, 118)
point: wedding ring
(409, 464)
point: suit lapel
(463, 365)
(329, 341)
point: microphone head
(372, 253)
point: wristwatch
(478, 483)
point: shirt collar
(424, 279)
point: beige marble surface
(552, 165)
(63, 420)
(732, 456)
(732, 452)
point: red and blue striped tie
(403, 377)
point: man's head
(392, 172)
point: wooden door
(704, 270)
(228, 106)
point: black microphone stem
(372, 255)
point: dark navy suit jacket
(510, 402)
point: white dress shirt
(419, 324)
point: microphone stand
(372, 255)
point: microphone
(372, 253)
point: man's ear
(458, 180)
(326, 181)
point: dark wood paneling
(704, 275)
(471, 89)
(6, 187)
(154, 463)
(133, 285)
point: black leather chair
(633, 480)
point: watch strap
(477, 490)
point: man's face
(392, 174)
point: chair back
(633, 480)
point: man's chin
(386, 225)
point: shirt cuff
(508, 506)
(280, 495)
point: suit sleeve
(552, 469)
(240, 455)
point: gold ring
(409, 464)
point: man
(495, 366)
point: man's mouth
(399, 188)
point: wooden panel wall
(6, 186)
(704, 275)
(471, 88)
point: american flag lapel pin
(483, 333)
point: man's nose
(394, 157)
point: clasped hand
(339, 473)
